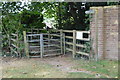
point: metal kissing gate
(41, 45)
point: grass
(36, 69)
(103, 67)
(80, 75)
(42, 71)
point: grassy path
(58, 67)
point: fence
(62, 41)
(14, 44)
(75, 41)
(43, 44)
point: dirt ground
(49, 67)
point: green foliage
(30, 19)
(112, 3)
(44, 31)
(15, 18)
(87, 47)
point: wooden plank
(34, 56)
(58, 40)
(13, 40)
(69, 37)
(37, 40)
(45, 40)
(55, 35)
(71, 31)
(14, 45)
(14, 34)
(84, 39)
(33, 35)
(26, 44)
(34, 46)
(80, 45)
(52, 50)
(83, 53)
(29, 32)
(69, 43)
(14, 51)
(52, 45)
(69, 49)
(52, 54)
(35, 52)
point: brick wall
(104, 31)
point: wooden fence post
(48, 39)
(61, 39)
(74, 43)
(26, 44)
(41, 45)
(64, 42)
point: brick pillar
(107, 37)
(119, 32)
(97, 26)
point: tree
(33, 17)
(74, 17)
(11, 16)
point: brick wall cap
(104, 7)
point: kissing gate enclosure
(55, 42)
(44, 44)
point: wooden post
(37, 31)
(41, 45)
(48, 39)
(9, 38)
(61, 43)
(17, 45)
(64, 42)
(26, 44)
(74, 43)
